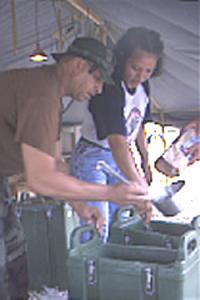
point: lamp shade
(38, 55)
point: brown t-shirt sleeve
(38, 123)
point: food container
(98, 271)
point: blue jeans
(83, 166)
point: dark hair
(134, 39)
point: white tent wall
(175, 94)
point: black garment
(103, 107)
(13, 262)
(111, 103)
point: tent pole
(86, 11)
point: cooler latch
(91, 272)
(149, 281)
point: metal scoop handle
(102, 165)
(162, 202)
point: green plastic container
(131, 230)
(45, 225)
(98, 271)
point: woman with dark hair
(115, 118)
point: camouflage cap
(93, 51)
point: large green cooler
(98, 271)
(131, 230)
(47, 224)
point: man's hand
(89, 214)
(134, 194)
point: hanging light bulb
(38, 55)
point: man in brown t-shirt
(29, 143)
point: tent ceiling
(175, 93)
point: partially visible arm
(194, 124)
(142, 148)
(61, 165)
(124, 159)
(141, 144)
(89, 213)
(43, 178)
(195, 149)
(195, 152)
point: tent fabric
(175, 94)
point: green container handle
(122, 220)
(188, 245)
(76, 238)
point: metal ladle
(161, 197)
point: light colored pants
(83, 166)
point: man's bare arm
(43, 178)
